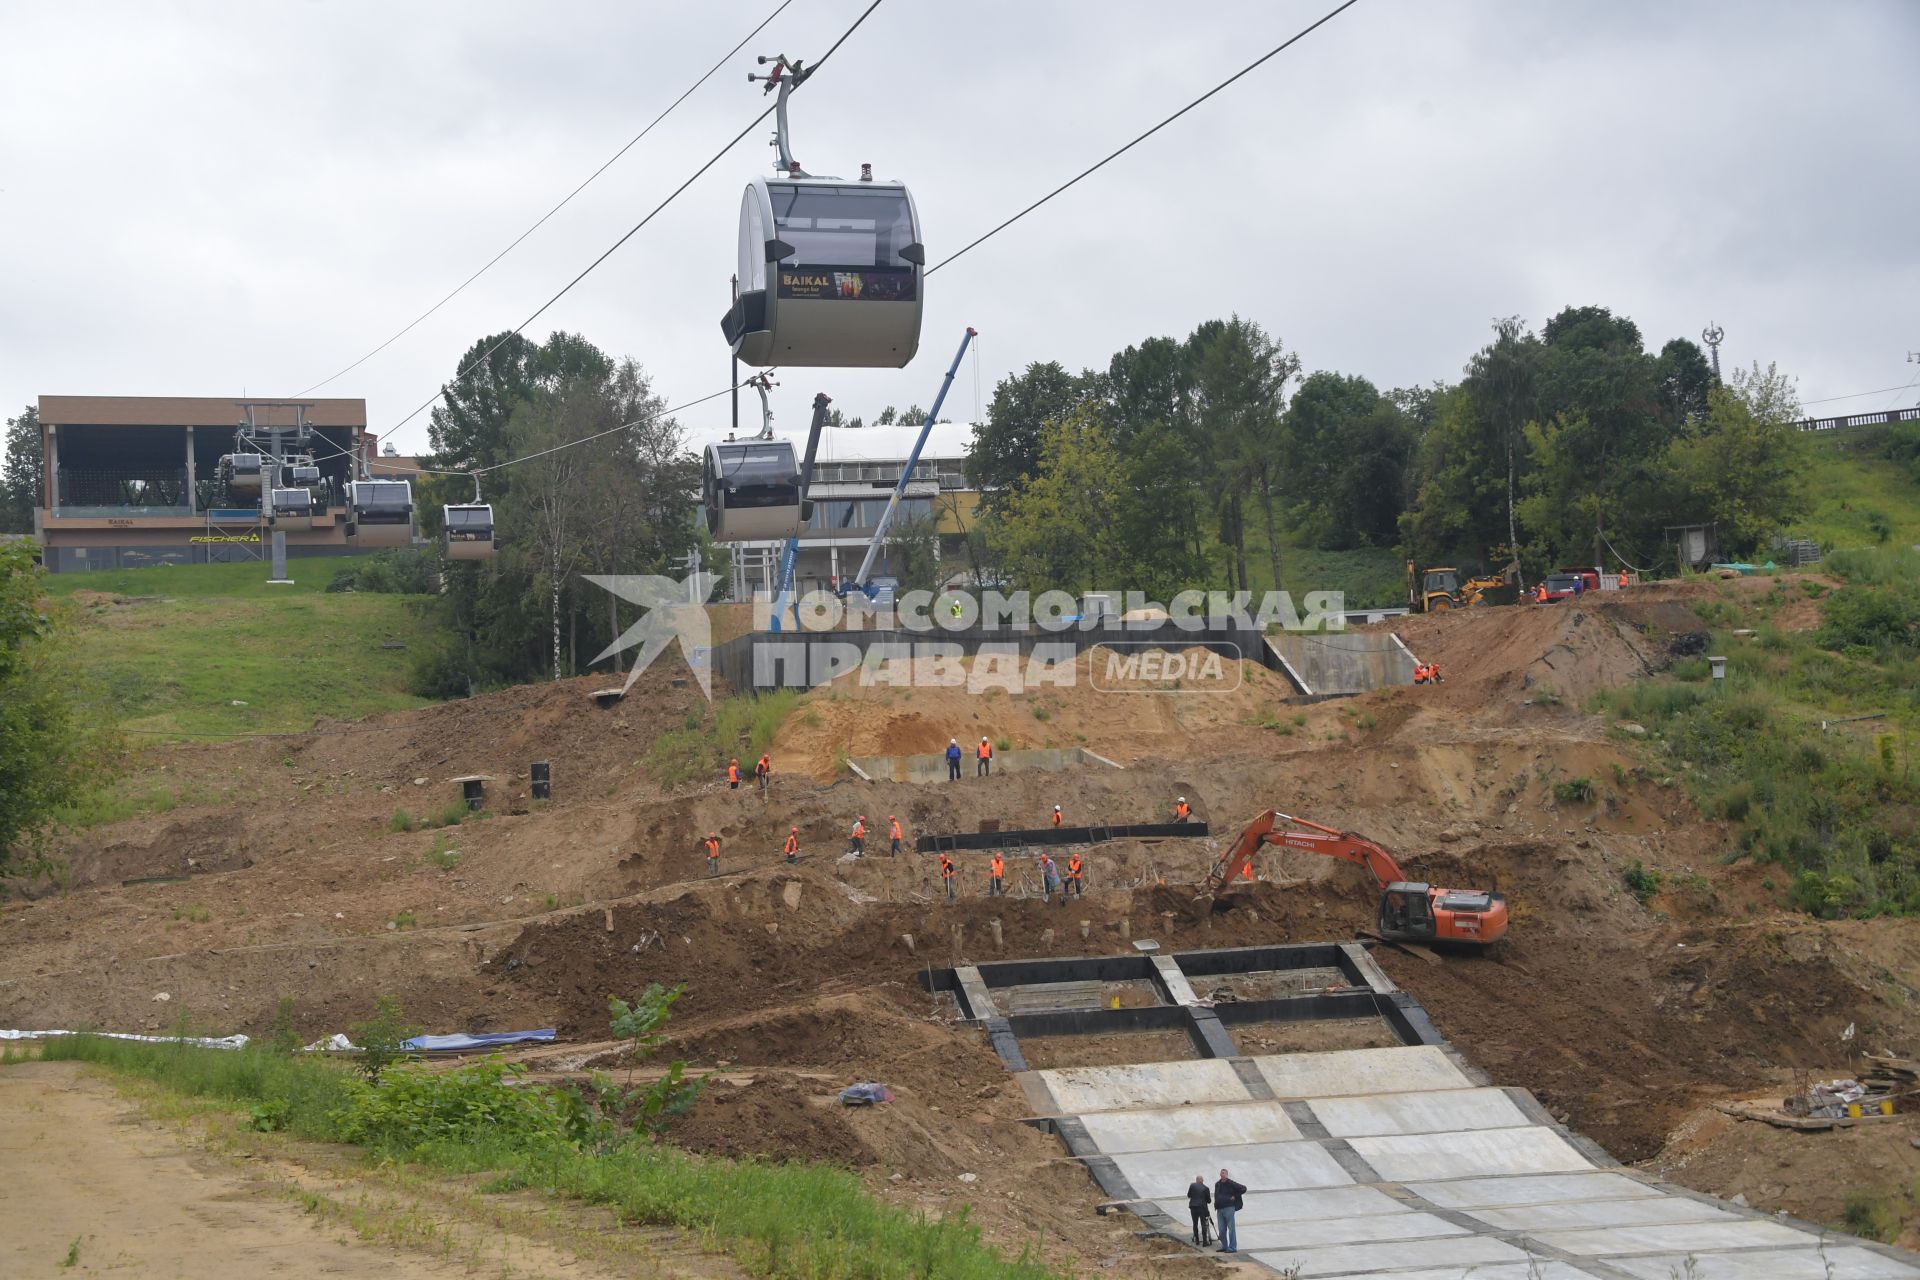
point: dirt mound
(1097, 702)
(771, 1119)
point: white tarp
(204, 1042)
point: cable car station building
(130, 481)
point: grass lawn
(1851, 487)
(173, 648)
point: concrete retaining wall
(1341, 662)
(934, 768)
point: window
(383, 493)
(842, 226)
(753, 243)
(480, 517)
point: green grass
(175, 665)
(1849, 488)
(739, 727)
(1371, 577)
(781, 1221)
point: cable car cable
(557, 208)
(612, 249)
(1280, 48)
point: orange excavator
(1410, 911)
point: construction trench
(1403, 1161)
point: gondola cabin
(468, 533)
(751, 491)
(380, 513)
(829, 274)
(242, 473)
(292, 509)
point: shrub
(396, 571)
(1574, 791)
(400, 821)
(1642, 881)
(1874, 618)
(404, 1110)
(382, 1038)
(442, 855)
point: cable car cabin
(830, 274)
(380, 513)
(751, 491)
(242, 472)
(292, 509)
(304, 473)
(469, 531)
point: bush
(382, 1038)
(405, 1110)
(443, 670)
(398, 571)
(1875, 618)
(1642, 881)
(1574, 791)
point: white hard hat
(1056, 808)
(1183, 799)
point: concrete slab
(1469, 1155)
(1683, 1237)
(1538, 1269)
(1362, 1259)
(1471, 1194)
(1376, 1229)
(1299, 1206)
(1445, 1111)
(1079, 1090)
(1275, 1166)
(1206, 1125)
(1346, 1072)
(1571, 1215)
(1847, 1262)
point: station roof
(190, 411)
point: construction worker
(893, 830)
(1050, 877)
(713, 853)
(858, 847)
(763, 772)
(733, 775)
(1540, 592)
(946, 874)
(953, 759)
(1057, 819)
(792, 848)
(996, 875)
(1073, 873)
(1182, 810)
(1623, 579)
(984, 766)
(1433, 673)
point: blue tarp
(477, 1040)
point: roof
(861, 444)
(188, 411)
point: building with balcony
(136, 480)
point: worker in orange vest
(1182, 810)
(946, 874)
(733, 775)
(996, 873)
(983, 767)
(893, 830)
(1056, 815)
(713, 853)
(1623, 579)
(763, 772)
(1073, 874)
(792, 849)
(858, 847)
(1540, 593)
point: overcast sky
(211, 199)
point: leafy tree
(20, 474)
(913, 552)
(1057, 526)
(1006, 447)
(51, 749)
(382, 1038)
(1240, 377)
(1744, 466)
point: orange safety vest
(1056, 817)
(733, 772)
(999, 866)
(793, 843)
(1181, 810)
(1623, 579)
(896, 829)
(859, 830)
(1073, 867)
(765, 766)
(946, 866)
(713, 848)
(986, 752)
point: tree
(1006, 447)
(20, 474)
(51, 749)
(1240, 377)
(1744, 466)
(1057, 526)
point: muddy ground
(282, 878)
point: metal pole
(906, 471)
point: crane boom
(1237, 862)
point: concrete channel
(1403, 1162)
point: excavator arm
(1237, 862)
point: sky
(244, 198)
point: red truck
(1562, 583)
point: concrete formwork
(1402, 1162)
(1341, 661)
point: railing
(1861, 420)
